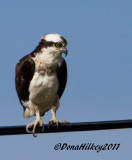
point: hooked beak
(65, 51)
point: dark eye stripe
(58, 44)
(44, 44)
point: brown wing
(62, 78)
(25, 69)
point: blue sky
(99, 35)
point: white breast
(43, 87)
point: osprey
(41, 77)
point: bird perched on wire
(41, 77)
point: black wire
(69, 127)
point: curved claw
(34, 135)
(34, 125)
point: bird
(41, 78)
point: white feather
(52, 37)
(43, 87)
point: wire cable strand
(69, 127)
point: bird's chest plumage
(44, 85)
(43, 88)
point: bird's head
(53, 44)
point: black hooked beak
(65, 51)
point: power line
(69, 127)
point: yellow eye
(58, 45)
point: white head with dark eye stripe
(52, 43)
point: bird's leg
(54, 120)
(34, 124)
